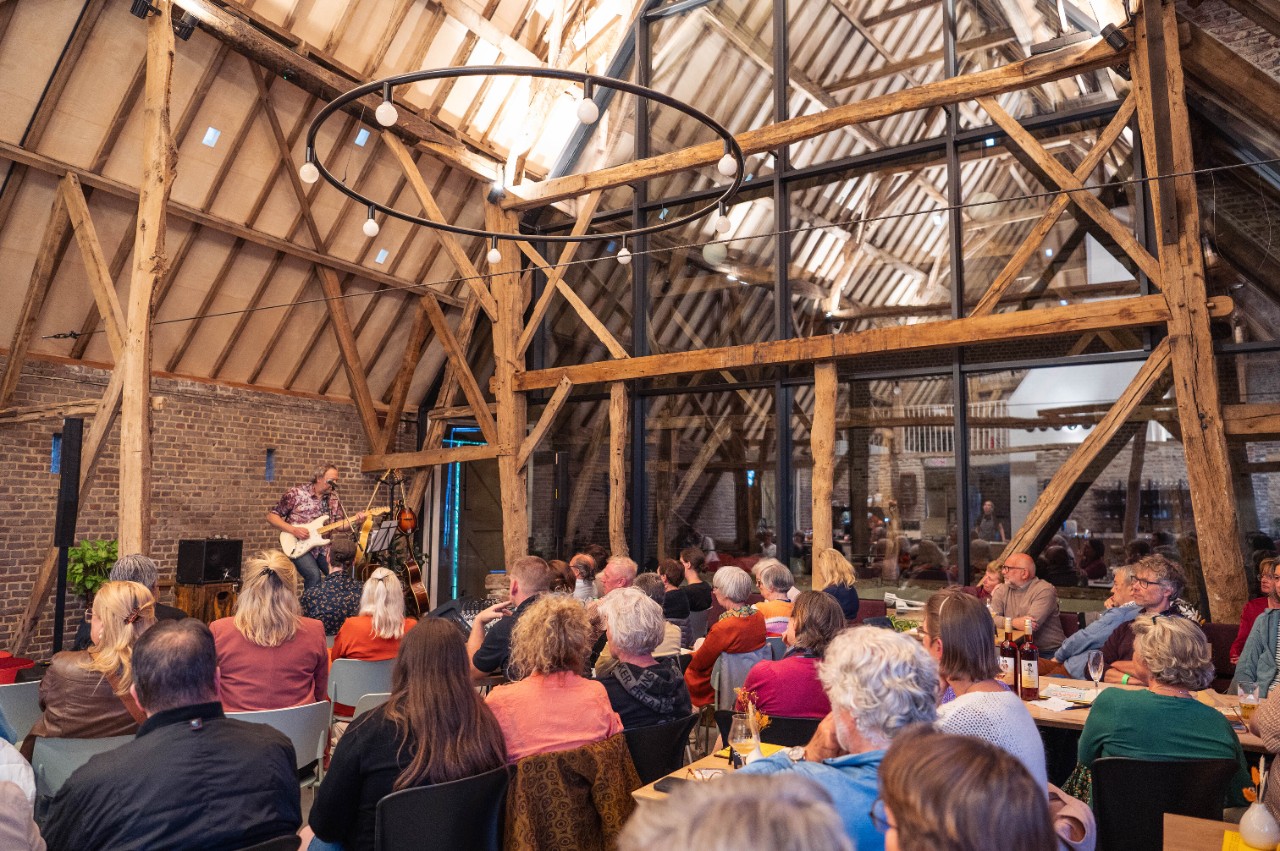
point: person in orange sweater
(775, 581)
(739, 630)
(375, 633)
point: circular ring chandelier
(729, 165)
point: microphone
(333, 485)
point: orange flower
(1250, 795)
(1253, 772)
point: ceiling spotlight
(727, 166)
(588, 110)
(370, 226)
(386, 112)
(494, 256)
(722, 221)
(715, 253)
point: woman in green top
(1164, 721)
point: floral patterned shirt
(300, 505)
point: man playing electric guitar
(304, 504)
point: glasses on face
(1006, 569)
(878, 816)
(1144, 584)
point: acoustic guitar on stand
(294, 546)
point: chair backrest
(466, 815)
(1220, 637)
(1131, 796)
(659, 750)
(698, 624)
(730, 672)
(789, 732)
(369, 701)
(1070, 622)
(54, 760)
(777, 647)
(307, 727)
(288, 842)
(19, 709)
(871, 609)
(352, 679)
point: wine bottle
(1009, 662)
(1029, 669)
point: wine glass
(740, 736)
(1095, 667)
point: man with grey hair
(619, 572)
(1030, 603)
(879, 683)
(645, 686)
(134, 567)
(1157, 583)
(648, 585)
(1121, 609)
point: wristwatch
(795, 754)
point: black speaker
(211, 560)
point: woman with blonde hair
(549, 649)
(833, 568)
(269, 655)
(85, 694)
(374, 634)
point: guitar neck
(338, 524)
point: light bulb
(624, 256)
(370, 228)
(309, 173)
(386, 113)
(723, 224)
(727, 166)
(494, 256)
(588, 112)
(715, 253)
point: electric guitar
(294, 546)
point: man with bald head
(1022, 596)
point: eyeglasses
(1006, 568)
(878, 816)
(1139, 582)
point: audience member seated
(774, 582)
(18, 830)
(1265, 724)
(941, 792)
(957, 632)
(675, 605)
(142, 570)
(650, 585)
(837, 572)
(1120, 609)
(1256, 606)
(85, 693)
(563, 580)
(434, 728)
(1032, 603)
(193, 778)
(790, 687)
(698, 592)
(990, 580)
(1157, 582)
(879, 683)
(779, 813)
(759, 565)
(490, 651)
(599, 556)
(739, 630)
(619, 572)
(375, 633)
(584, 576)
(1164, 721)
(337, 596)
(553, 707)
(1136, 550)
(1057, 570)
(1095, 561)
(643, 690)
(928, 562)
(269, 655)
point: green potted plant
(89, 564)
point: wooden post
(618, 412)
(1195, 376)
(823, 446)
(512, 418)
(149, 264)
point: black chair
(659, 750)
(462, 815)
(289, 842)
(784, 731)
(1131, 796)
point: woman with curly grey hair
(1164, 721)
(879, 683)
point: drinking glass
(1248, 700)
(740, 737)
(1095, 667)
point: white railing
(936, 433)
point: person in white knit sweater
(958, 632)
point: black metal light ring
(378, 86)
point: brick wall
(210, 444)
(1237, 32)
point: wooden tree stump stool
(207, 602)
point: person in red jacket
(739, 630)
(1256, 606)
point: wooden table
(1073, 719)
(648, 793)
(1183, 833)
